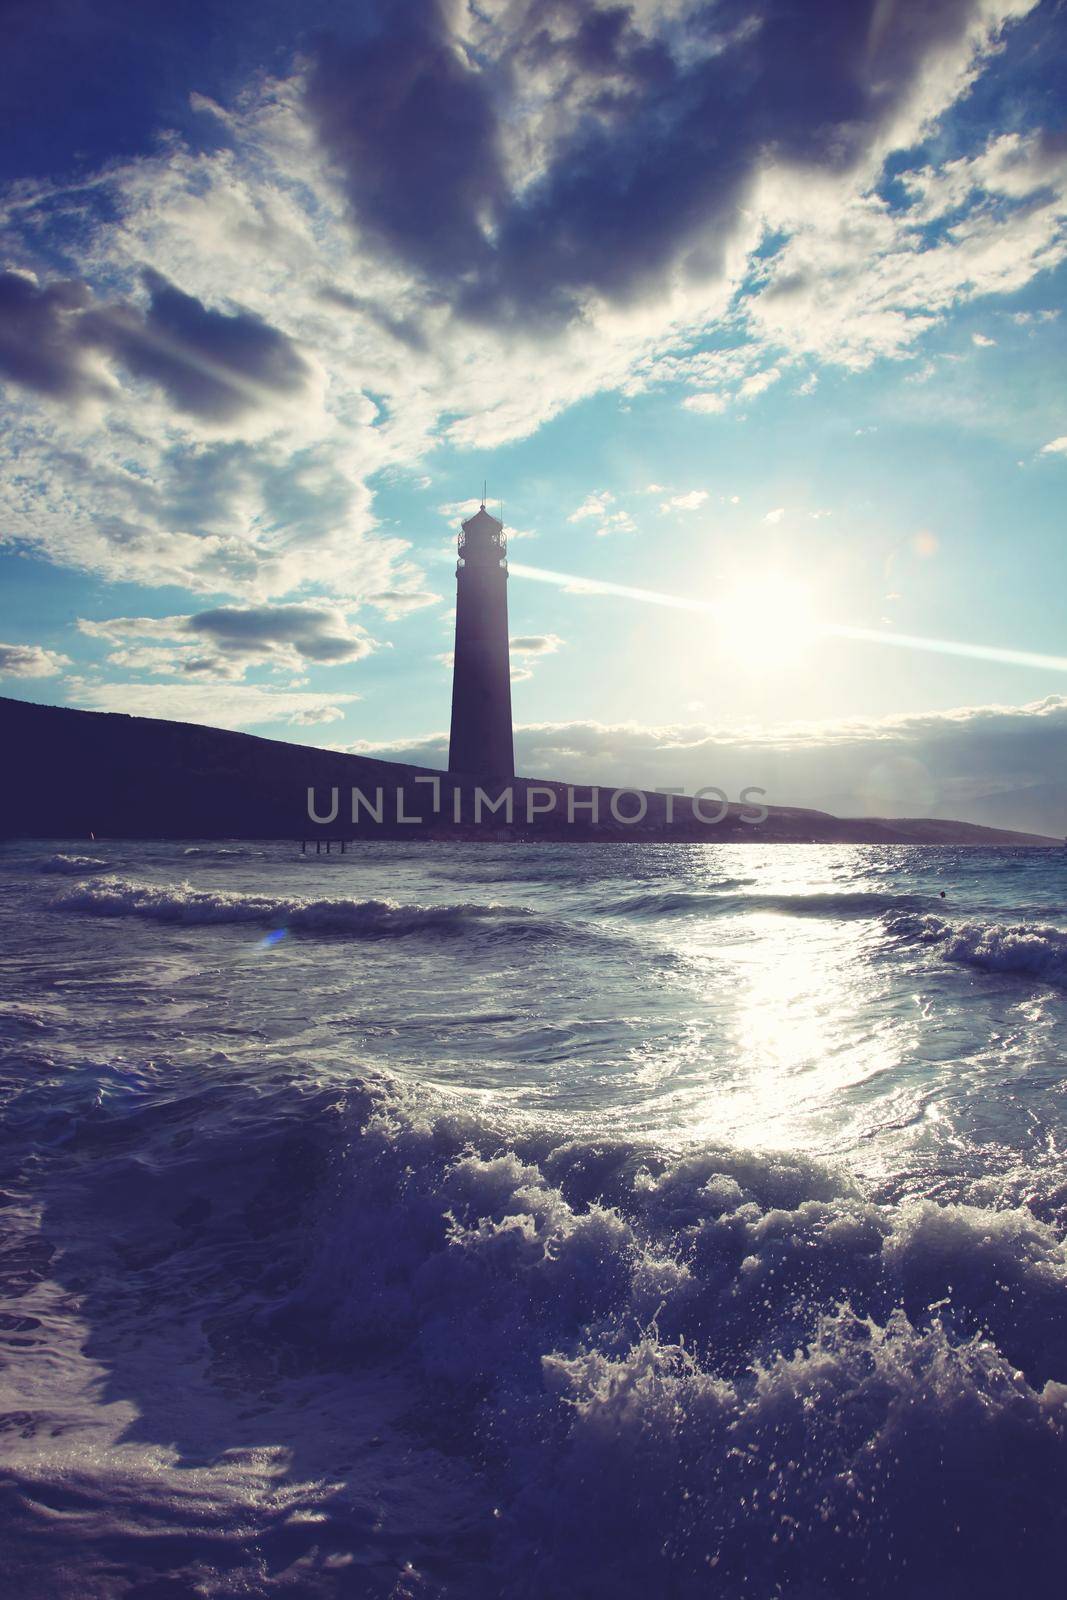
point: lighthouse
(480, 743)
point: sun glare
(766, 621)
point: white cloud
(686, 502)
(597, 508)
(776, 515)
(594, 505)
(616, 522)
(757, 382)
(1055, 447)
(983, 341)
(30, 661)
(535, 644)
(457, 511)
(527, 649)
(858, 280)
(706, 402)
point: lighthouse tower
(480, 742)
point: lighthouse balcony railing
(496, 542)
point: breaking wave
(75, 866)
(1026, 949)
(727, 1370)
(183, 904)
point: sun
(768, 621)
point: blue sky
(754, 304)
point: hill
(72, 773)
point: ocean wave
(724, 897)
(728, 1365)
(183, 904)
(1025, 949)
(74, 865)
(675, 902)
(727, 1372)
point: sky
(748, 313)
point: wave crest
(183, 904)
(75, 866)
(1024, 948)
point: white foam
(182, 903)
(1028, 949)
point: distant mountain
(72, 773)
(1041, 807)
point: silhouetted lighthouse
(480, 741)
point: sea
(460, 1220)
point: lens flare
(797, 620)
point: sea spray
(731, 1364)
(1023, 949)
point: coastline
(116, 776)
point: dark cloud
(211, 364)
(38, 337)
(650, 144)
(223, 642)
(396, 603)
(314, 632)
(412, 127)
